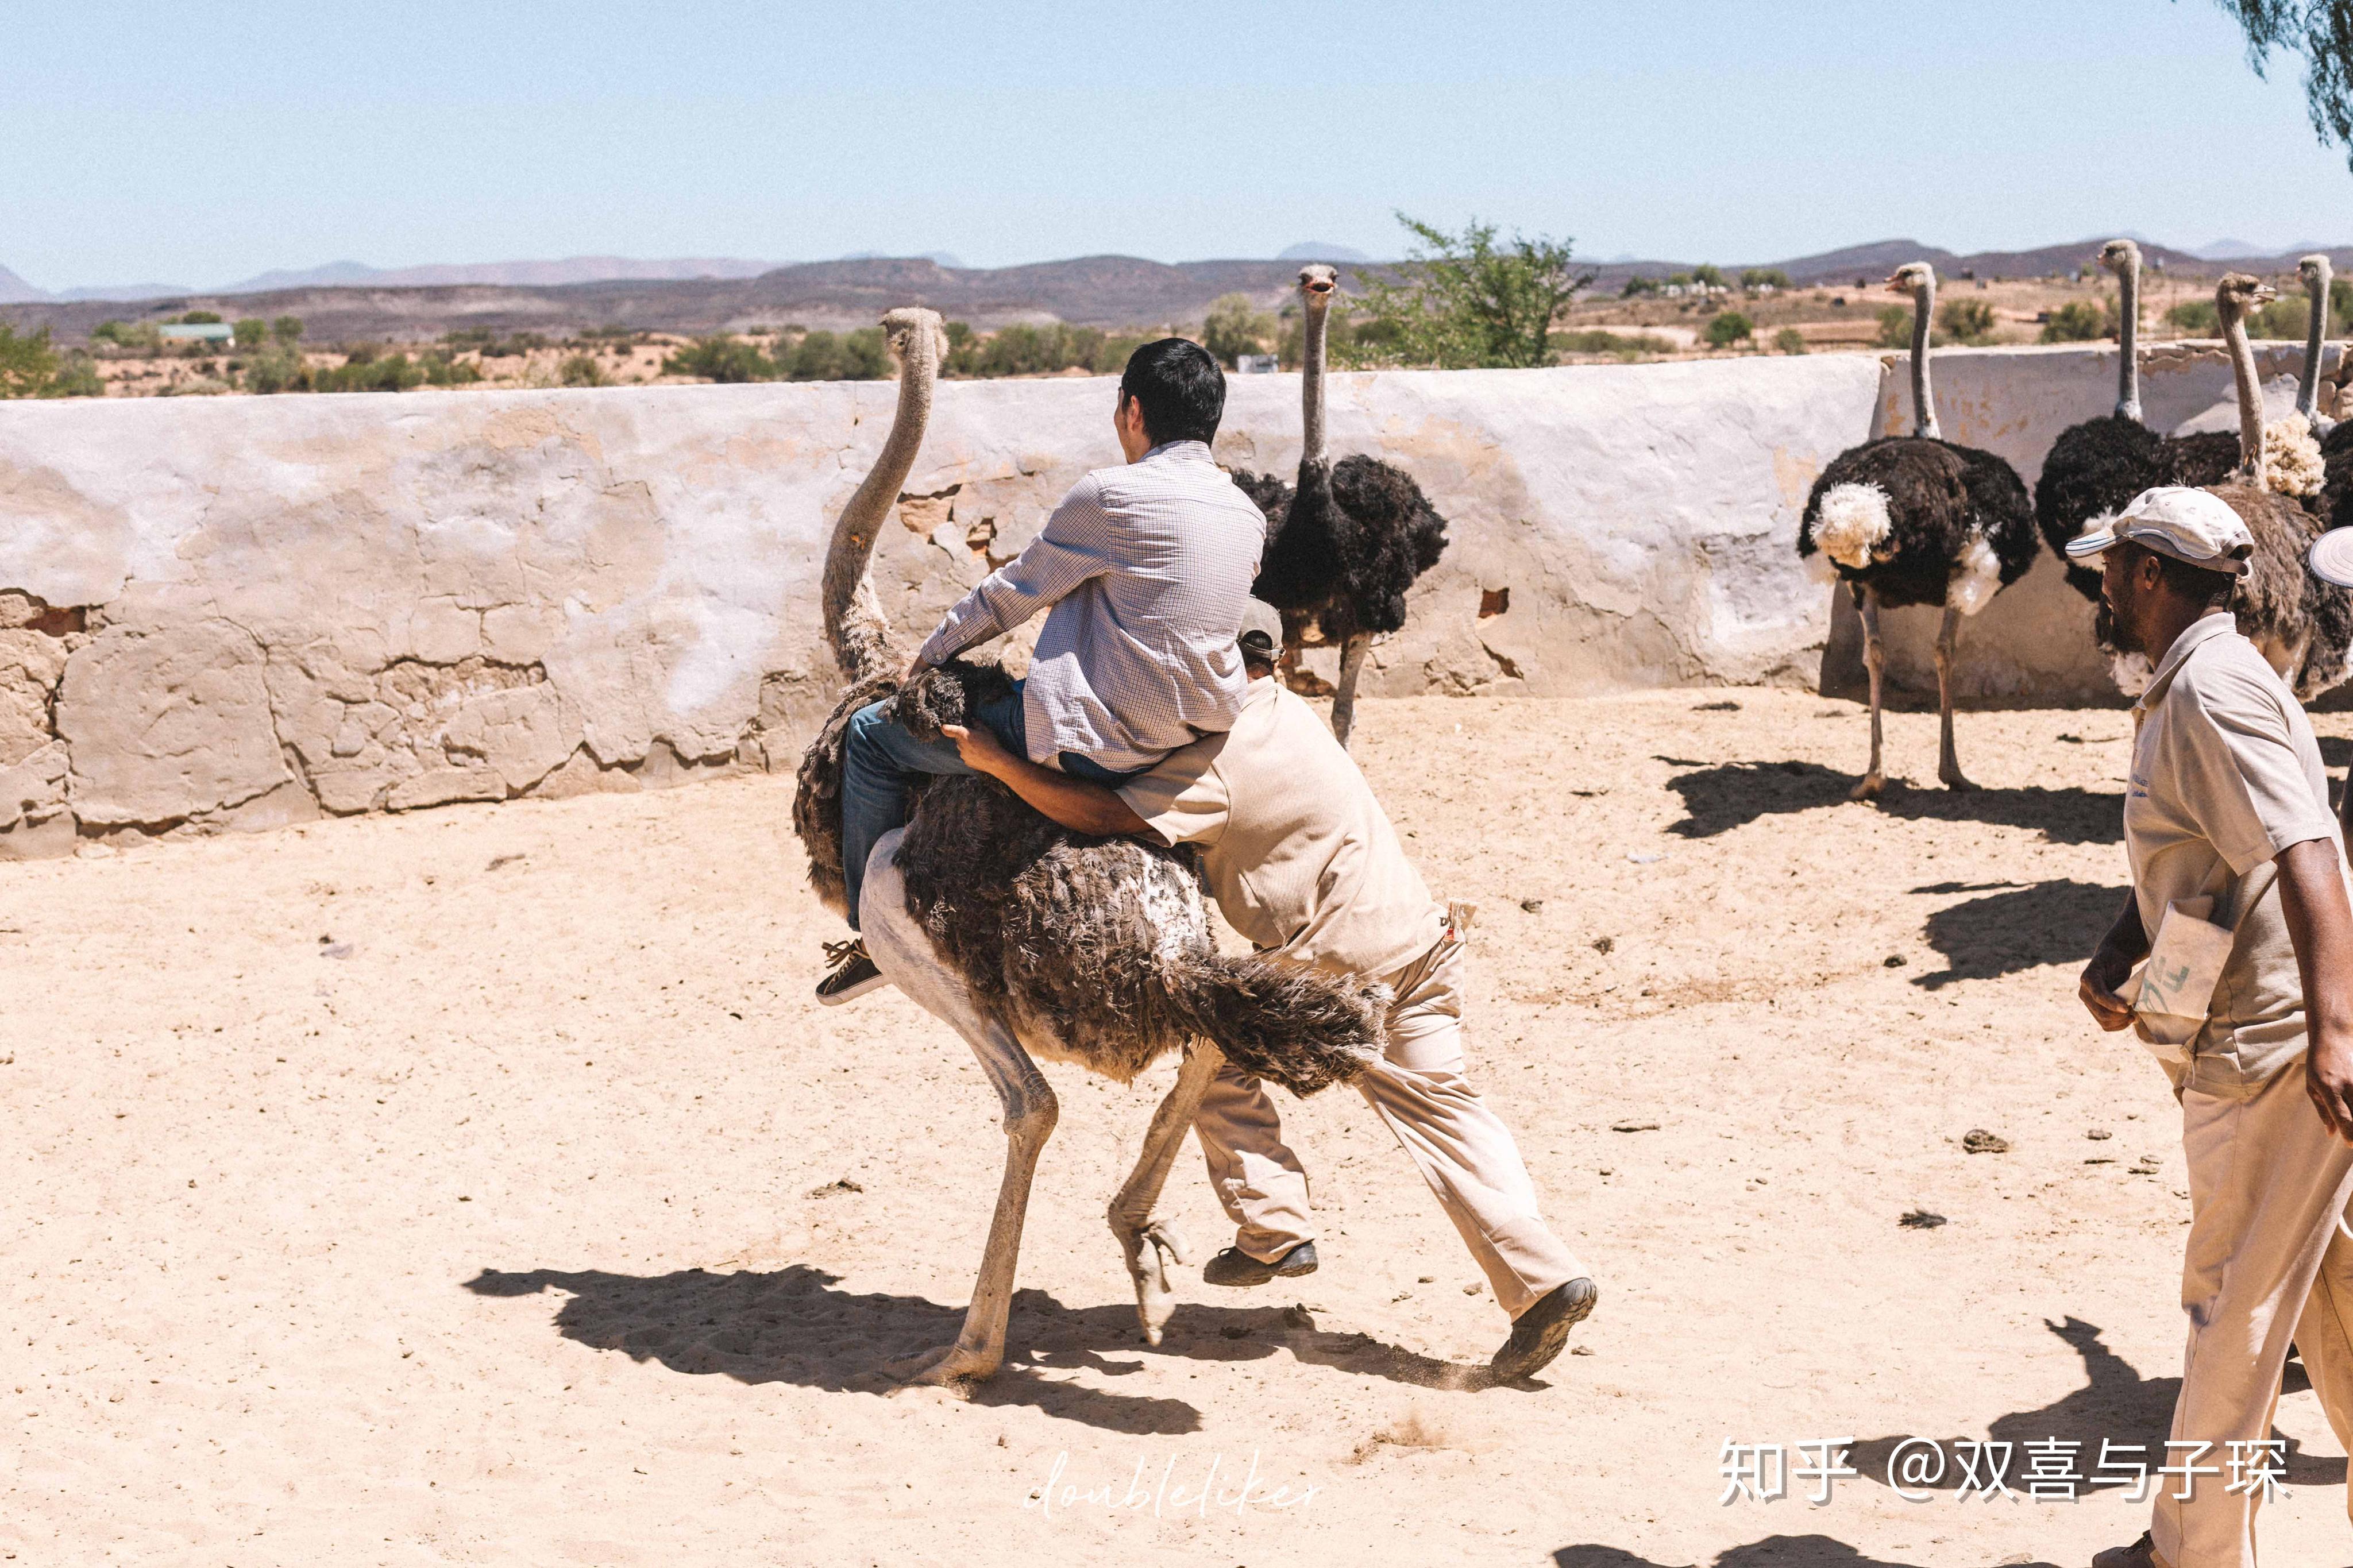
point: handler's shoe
(1235, 1267)
(853, 975)
(1538, 1333)
(2141, 1553)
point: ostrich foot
(1873, 783)
(1953, 779)
(1150, 1249)
(946, 1367)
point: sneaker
(1235, 1267)
(1538, 1333)
(853, 975)
(2141, 1553)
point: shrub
(959, 334)
(1465, 300)
(728, 359)
(1235, 326)
(395, 374)
(2076, 321)
(278, 368)
(1764, 278)
(1790, 340)
(286, 328)
(1966, 321)
(1344, 340)
(468, 337)
(1708, 273)
(442, 369)
(2195, 318)
(359, 353)
(1638, 285)
(77, 376)
(27, 364)
(201, 319)
(250, 332)
(1727, 328)
(1895, 327)
(1594, 340)
(581, 369)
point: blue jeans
(880, 759)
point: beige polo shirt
(2225, 775)
(1296, 850)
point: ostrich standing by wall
(1915, 520)
(1028, 939)
(1344, 546)
(2093, 470)
(2302, 625)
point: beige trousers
(1462, 1150)
(2268, 1262)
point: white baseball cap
(2331, 557)
(2192, 525)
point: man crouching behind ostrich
(1035, 942)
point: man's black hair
(1179, 387)
(2200, 586)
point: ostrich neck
(2315, 338)
(1311, 383)
(853, 620)
(2128, 343)
(1924, 402)
(2251, 397)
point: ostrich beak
(1895, 285)
(1317, 286)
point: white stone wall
(238, 612)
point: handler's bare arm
(1076, 803)
(2126, 944)
(2312, 898)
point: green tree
(201, 319)
(250, 332)
(1637, 284)
(1709, 274)
(1790, 340)
(28, 365)
(1464, 301)
(1764, 278)
(286, 328)
(1895, 327)
(2322, 33)
(1235, 326)
(1727, 328)
(728, 359)
(2076, 321)
(1966, 321)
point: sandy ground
(481, 1186)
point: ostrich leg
(1148, 1244)
(904, 953)
(1875, 661)
(1948, 762)
(1344, 697)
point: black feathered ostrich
(1915, 520)
(1344, 547)
(1032, 941)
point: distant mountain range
(347, 302)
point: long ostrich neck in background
(853, 620)
(2128, 340)
(2315, 337)
(1311, 381)
(1924, 402)
(2250, 392)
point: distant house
(203, 333)
(1256, 365)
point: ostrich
(1344, 546)
(1028, 938)
(2318, 276)
(1915, 520)
(2095, 468)
(2303, 625)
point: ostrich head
(2315, 272)
(2120, 256)
(911, 330)
(1912, 278)
(2240, 292)
(1317, 281)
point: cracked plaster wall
(239, 612)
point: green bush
(1966, 321)
(250, 332)
(28, 366)
(2076, 321)
(278, 368)
(581, 369)
(77, 376)
(1790, 340)
(201, 319)
(1895, 327)
(2195, 318)
(468, 338)
(1709, 274)
(396, 373)
(1764, 278)
(1727, 328)
(443, 370)
(1594, 340)
(1464, 300)
(286, 328)
(728, 359)
(1638, 285)
(1234, 327)
(1341, 335)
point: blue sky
(199, 141)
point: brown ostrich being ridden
(1034, 942)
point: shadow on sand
(1719, 798)
(2021, 926)
(2115, 1404)
(1773, 1552)
(794, 1325)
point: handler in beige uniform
(2228, 803)
(1303, 862)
